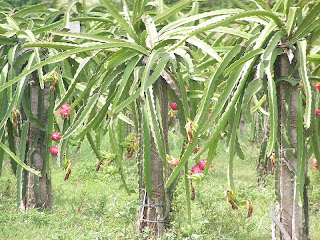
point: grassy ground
(94, 205)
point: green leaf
(46, 28)
(262, 5)
(302, 45)
(147, 81)
(252, 89)
(5, 5)
(18, 161)
(13, 23)
(67, 13)
(61, 56)
(291, 80)
(30, 9)
(6, 40)
(306, 22)
(75, 79)
(286, 6)
(93, 146)
(220, 125)
(37, 56)
(273, 43)
(183, 112)
(259, 104)
(82, 116)
(146, 150)
(152, 31)
(269, 58)
(118, 58)
(12, 54)
(154, 56)
(186, 57)
(100, 116)
(273, 106)
(17, 94)
(206, 48)
(171, 11)
(138, 9)
(22, 151)
(239, 150)
(194, 11)
(243, 59)
(233, 82)
(56, 45)
(11, 144)
(292, 19)
(241, 5)
(27, 110)
(209, 26)
(115, 144)
(95, 81)
(205, 103)
(125, 119)
(232, 144)
(232, 31)
(186, 20)
(301, 158)
(49, 130)
(120, 19)
(154, 122)
(126, 75)
(86, 36)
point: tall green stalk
(23, 144)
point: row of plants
(123, 68)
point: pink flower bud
(317, 112)
(173, 106)
(54, 151)
(196, 169)
(65, 112)
(202, 165)
(315, 164)
(55, 136)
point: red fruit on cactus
(54, 151)
(56, 136)
(315, 164)
(317, 86)
(317, 112)
(173, 106)
(65, 106)
(196, 169)
(65, 110)
(202, 164)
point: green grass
(93, 205)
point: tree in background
(27, 109)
